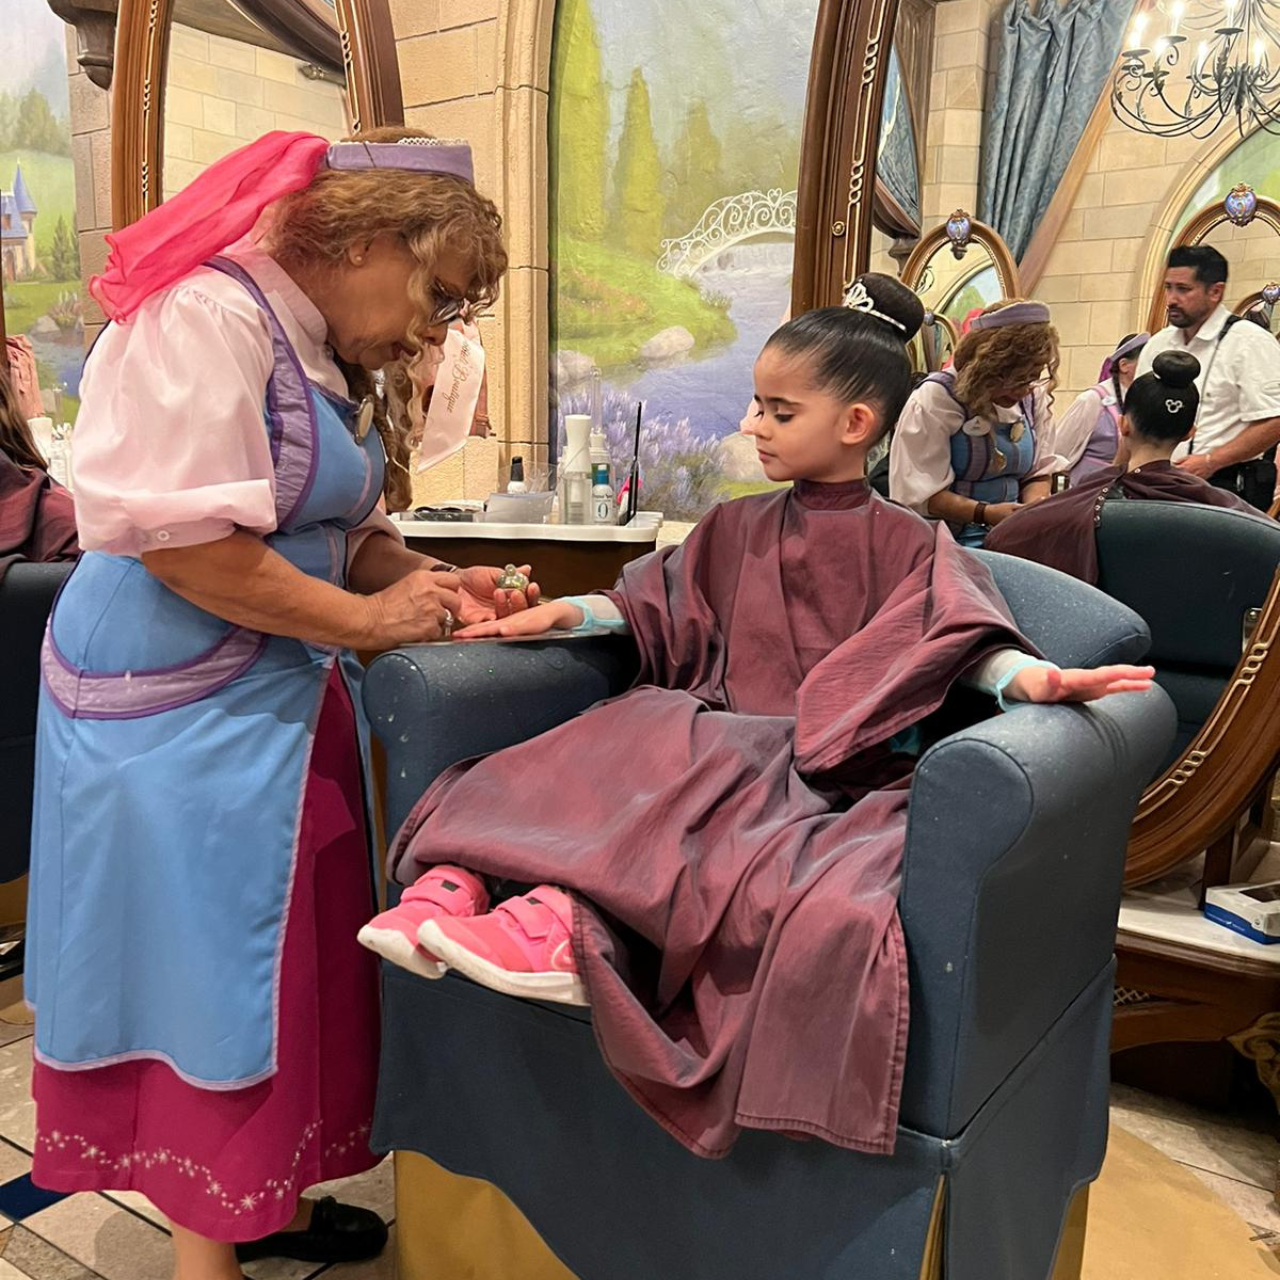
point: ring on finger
(447, 625)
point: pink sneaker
(443, 891)
(523, 947)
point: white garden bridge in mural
(729, 221)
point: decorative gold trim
(142, 50)
(1247, 303)
(835, 204)
(981, 234)
(1196, 231)
(1198, 799)
(1163, 226)
(137, 100)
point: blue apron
(989, 467)
(172, 758)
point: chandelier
(1227, 66)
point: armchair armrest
(1015, 850)
(433, 705)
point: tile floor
(121, 1237)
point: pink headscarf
(217, 209)
(224, 203)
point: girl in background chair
(37, 517)
(1087, 437)
(973, 443)
(1160, 413)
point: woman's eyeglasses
(447, 309)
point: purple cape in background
(37, 517)
(1060, 531)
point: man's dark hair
(1208, 264)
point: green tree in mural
(37, 128)
(637, 177)
(762, 154)
(696, 176)
(8, 120)
(579, 124)
(64, 254)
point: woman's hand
(1047, 684)
(419, 608)
(998, 512)
(555, 615)
(483, 602)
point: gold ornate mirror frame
(368, 51)
(1240, 207)
(978, 234)
(835, 196)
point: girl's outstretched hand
(555, 615)
(1046, 684)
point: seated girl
(722, 844)
(1159, 414)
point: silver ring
(448, 622)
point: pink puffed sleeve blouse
(169, 447)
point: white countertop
(1168, 910)
(644, 528)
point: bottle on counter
(603, 506)
(517, 483)
(575, 472)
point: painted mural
(675, 151)
(39, 252)
(1255, 160)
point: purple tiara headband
(448, 156)
(1132, 347)
(1014, 313)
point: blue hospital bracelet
(589, 620)
(1020, 665)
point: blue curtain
(1052, 67)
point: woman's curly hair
(436, 215)
(989, 361)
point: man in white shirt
(1239, 383)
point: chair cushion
(1070, 622)
(27, 592)
(1191, 572)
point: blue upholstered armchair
(1015, 851)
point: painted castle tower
(17, 229)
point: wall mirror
(1010, 110)
(1245, 228)
(195, 79)
(955, 269)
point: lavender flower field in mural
(673, 172)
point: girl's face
(801, 432)
(1128, 366)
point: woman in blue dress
(974, 443)
(206, 1024)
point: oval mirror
(195, 79)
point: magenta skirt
(230, 1165)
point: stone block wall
(220, 94)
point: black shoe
(338, 1233)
